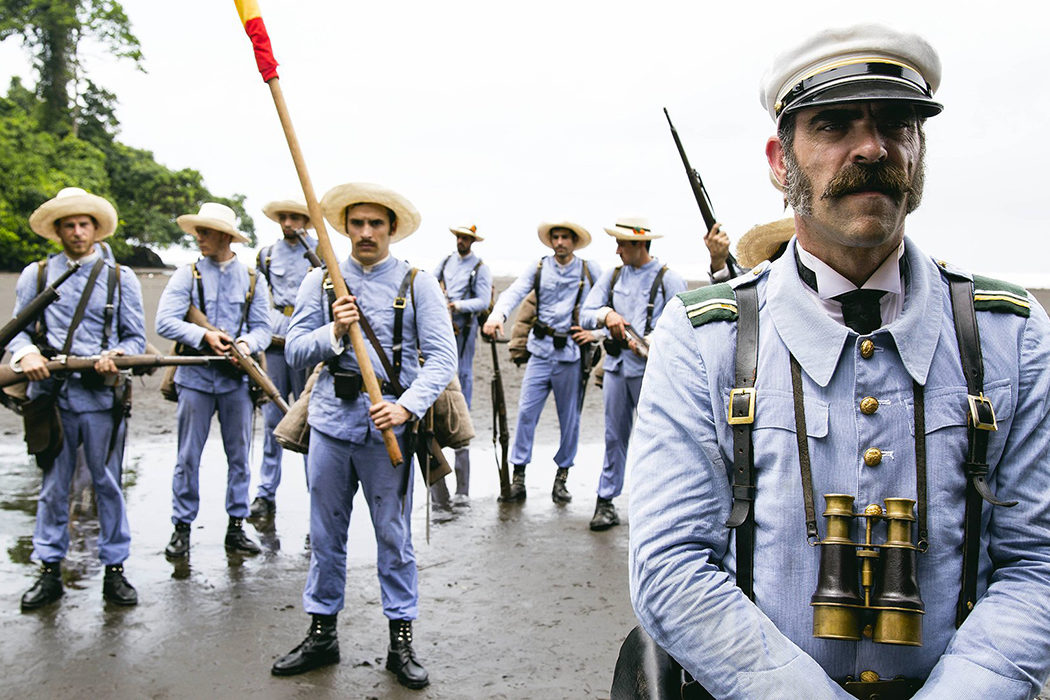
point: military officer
(284, 264)
(561, 282)
(98, 313)
(408, 315)
(467, 282)
(236, 301)
(850, 382)
(631, 295)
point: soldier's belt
(348, 385)
(286, 310)
(542, 330)
(895, 689)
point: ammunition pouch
(92, 380)
(43, 428)
(349, 385)
(614, 347)
(276, 344)
(644, 671)
(895, 689)
(542, 330)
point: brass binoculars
(883, 601)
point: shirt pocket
(947, 407)
(776, 409)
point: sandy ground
(517, 601)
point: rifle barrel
(699, 191)
(35, 307)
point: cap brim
(868, 91)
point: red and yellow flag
(252, 20)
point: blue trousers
(51, 536)
(541, 377)
(194, 414)
(289, 382)
(466, 342)
(337, 468)
(620, 394)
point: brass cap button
(867, 349)
(872, 456)
(868, 405)
(869, 676)
(867, 632)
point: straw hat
(73, 201)
(273, 210)
(632, 228)
(762, 241)
(214, 216)
(337, 199)
(545, 233)
(471, 231)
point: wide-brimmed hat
(214, 216)
(274, 209)
(471, 231)
(582, 234)
(854, 64)
(632, 228)
(73, 201)
(762, 241)
(337, 199)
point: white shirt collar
(368, 268)
(887, 277)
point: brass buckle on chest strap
(742, 405)
(982, 414)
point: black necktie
(860, 309)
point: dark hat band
(855, 72)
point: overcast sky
(508, 114)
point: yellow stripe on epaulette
(706, 304)
(998, 296)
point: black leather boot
(116, 589)
(47, 589)
(401, 659)
(604, 515)
(262, 508)
(560, 494)
(320, 648)
(179, 546)
(237, 541)
(517, 485)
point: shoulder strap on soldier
(263, 263)
(112, 282)
(78, 315)
(612, 286)
(473, 278)
(441, 271)
(585, 278)
(248, 297)
(400, 302)
(200, 288)
(651, 306)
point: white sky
(505, 115)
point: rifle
(643, 344)
(136, 363)
(35, 307)
(499, 422)
(246, 362)
(699, 191)
(589, 352)
(309, 254)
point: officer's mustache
(888, 178)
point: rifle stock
(245, 361)
(309, 254)
(67, 363)
(35, 307)
(499, 422)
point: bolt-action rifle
(35, 307)
(499, 422)
(643, 344)
(309, 254)
(245, 361)
(138, 364)
(699, 191)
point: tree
(52, 31)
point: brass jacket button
(868, 405)
(872, 456)
(867, 349)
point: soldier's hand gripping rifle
(643, 344)
(699, 191)
(35, 307)
(245, 361)
(499, 421)
(68, 363)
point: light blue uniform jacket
(224, 296)
(426, 323)
(682, 560)
(286, 268)
(559, 285)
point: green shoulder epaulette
(995, 295)
(706, 304)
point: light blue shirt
(286, 267)
(225, 291)
(425, 324)
(456, 271)
(682, 562)
(559, 287)
(127, 329)
(630, 300)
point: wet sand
(516, 601)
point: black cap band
(906, 77)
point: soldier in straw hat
(467, 283)
(346, 446)
(632, 294)
(284, 264)
(561, 282)
(859, 392)
(236, 301)
(90, 405)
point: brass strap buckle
(982, 414)
(399, 302)
(742, 405)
